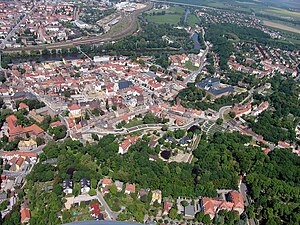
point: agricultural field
(281, 26)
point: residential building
(143, 193)
(25, 215)
(167, 207)
(74, 111)
(95, 209)
(106, 182)
(27, 145)
(68, 186)
(156, 196)
(85, 185)
(119, 185)
(129, 189)
(124, 146)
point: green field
(192, 20)
(283, 12)
(167, 18)
(133, 123)
(172, 15)
(268, 10)
(173, 9)
(189, 65)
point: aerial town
(173, 120)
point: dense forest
(279, 124)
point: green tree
(173, 213)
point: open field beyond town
(281, 26)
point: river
(195, 38)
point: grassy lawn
(189, 65)
(162, 19)
(81, 212)
(192, 20)
(172, 15)
(133, 123)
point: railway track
(131, 29)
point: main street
(16, 28)
(192, 76)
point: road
(112, 215)
(184, 4)
(243, 191)
(192, 76)
(131, 29)
(138, 128)
(16, 28)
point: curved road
(139, 128)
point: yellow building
(156, 196)
(27, 145)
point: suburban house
(156, 196)
(143, 193)
(124, 146)
(129, 189)
(262, 107)
(18, 164)
(167, 207)
(106, 182)
(68, 186)
(238, 202)
(241, 110)
(119, 185)
(56, 124)
(25, 215)
(95, 209)
(85, 185)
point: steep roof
(74, 107)
(25, 214)
(237, 199)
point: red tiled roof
(74, 107)
(22, 154)
(25, 214)
(33, 128)
(95, 209)
(20, 161)
(56, 124)
(106, 181)
(237, 200)
(15, 129)
(23, 106)
(167, 206)
(130, 188)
